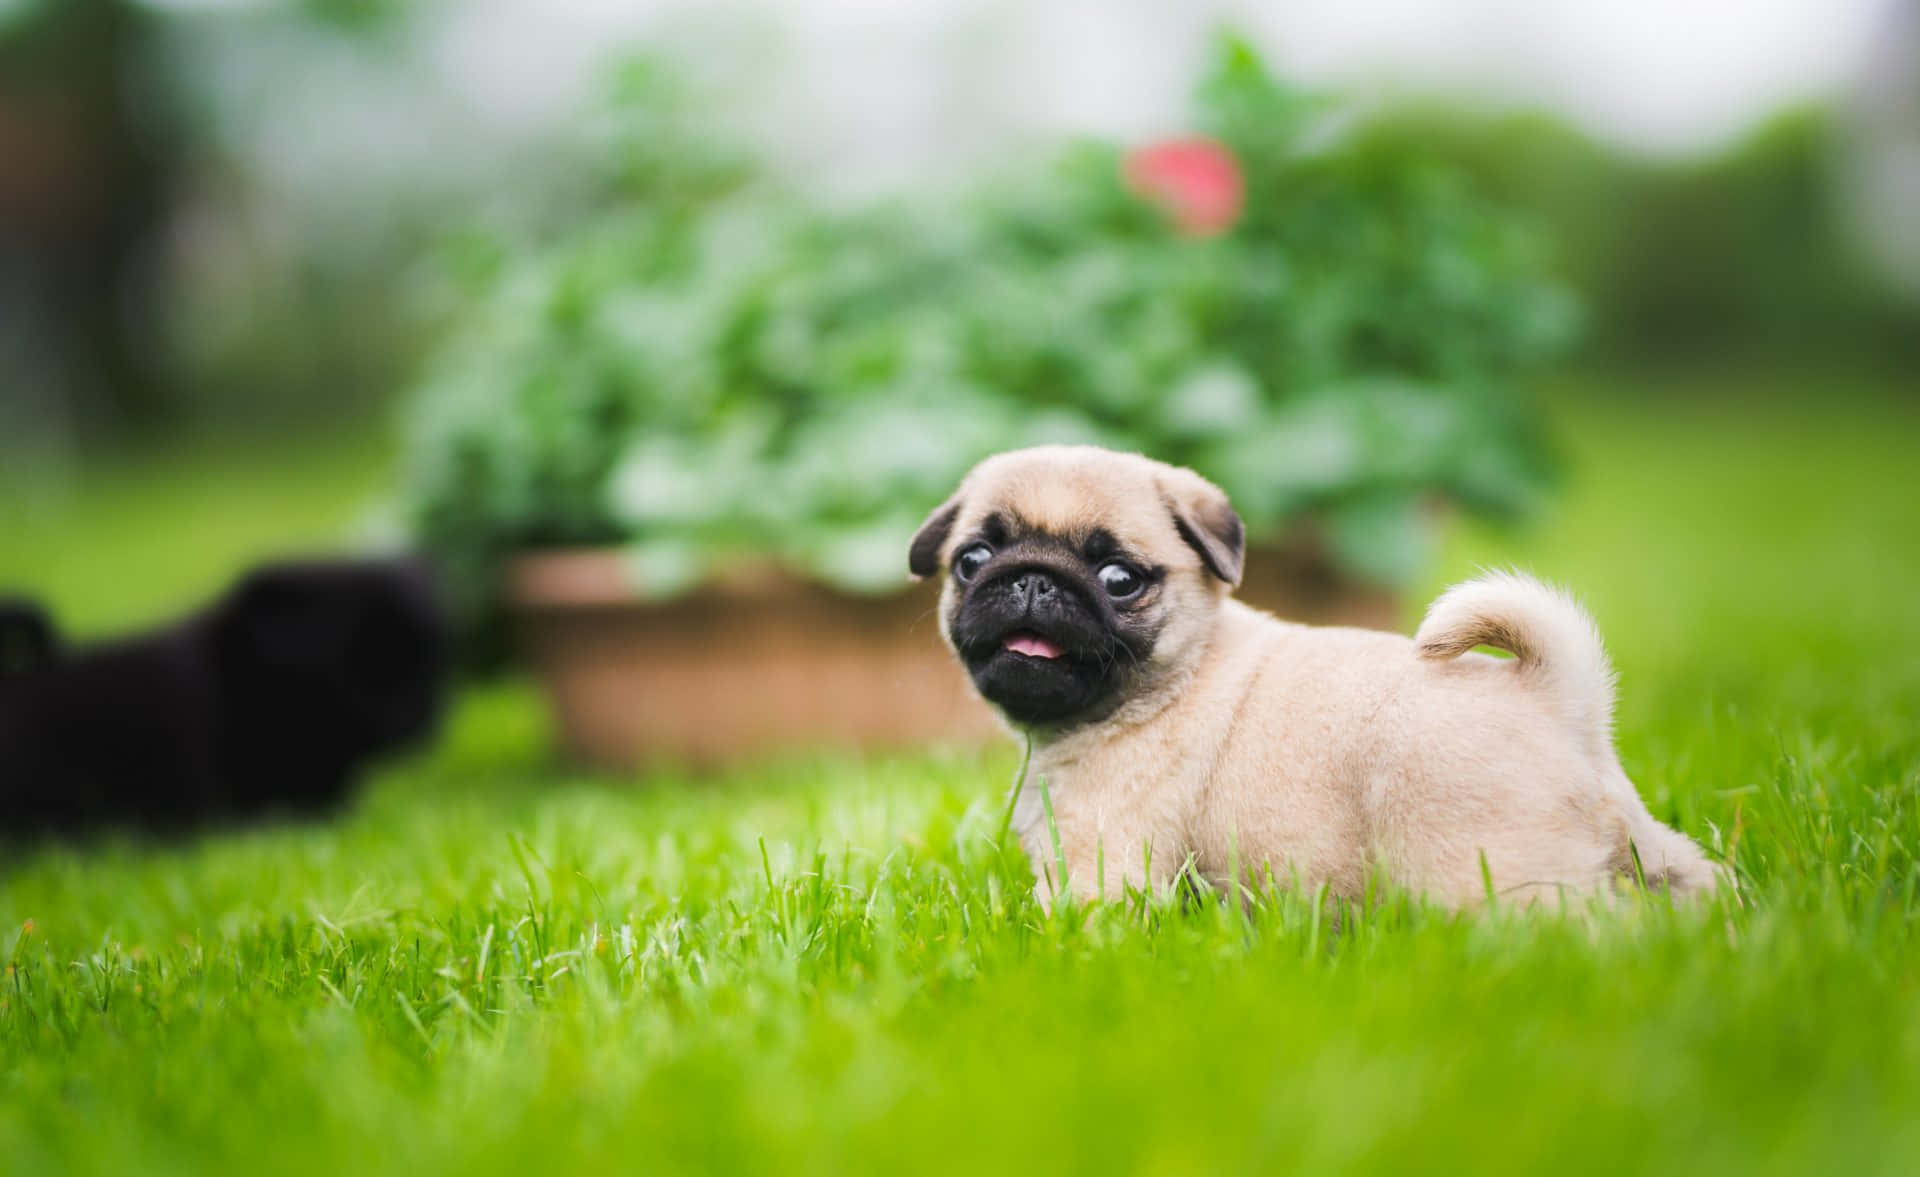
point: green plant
(1330, 332)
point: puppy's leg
(1099, 859)
(1510, 856)
(1667, 857)
(1563, 831)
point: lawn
(830, 965)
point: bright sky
(1658, 74)
(859, 94)
(1655, 73)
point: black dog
(267, 702)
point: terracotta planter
(760, 661)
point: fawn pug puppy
(1087, 594)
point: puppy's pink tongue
(1033, 646)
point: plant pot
(760, 660)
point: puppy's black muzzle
(1029, 597)
(1029, 591)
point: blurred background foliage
(717, 369)
(1748, 253)
(274, 220)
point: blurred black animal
(266, 703)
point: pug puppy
(1087, 594)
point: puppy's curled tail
(1552, 639)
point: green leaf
(1384, 538)
(660, 568)
(1211, 402)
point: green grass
(831, 966)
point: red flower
(1197, 181)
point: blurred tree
(1883, 150)
(1748, 253)
(107, 142)
(86, 166)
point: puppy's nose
(1032, 588)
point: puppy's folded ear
(1208, 523)
(923, 555)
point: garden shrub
(712, 368)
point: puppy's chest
(1120, 783)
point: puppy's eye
(969, 562)
(1121, 580)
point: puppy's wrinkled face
(1076, 577)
